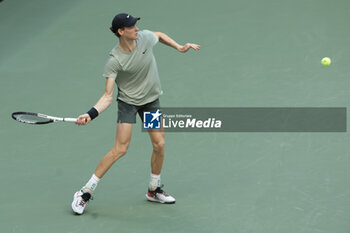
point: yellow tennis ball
(326, 61)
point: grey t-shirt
(135, 73)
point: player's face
(130, 32)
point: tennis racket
(38, 118)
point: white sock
(154, 183)
(91, 184)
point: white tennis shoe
(160, 196)
(80, 199)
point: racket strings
(30, 119)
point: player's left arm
(165, 39)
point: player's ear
(120, 31)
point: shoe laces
(85, 198)
(159, 190)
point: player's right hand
(83, 119)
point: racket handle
(70, 119)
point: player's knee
(119, 150)
(159, 145)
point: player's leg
(122, 141)
(158, 143)
(126, 117)
(157, 138)
(155, 192)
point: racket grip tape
(70, 119)
(93, 113)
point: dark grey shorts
(127, 112)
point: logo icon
(144, 51)
(127, 16)
(151, 120)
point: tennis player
(132, 66)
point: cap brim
(132, 22)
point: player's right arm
(102, 104)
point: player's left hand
(188, 46)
